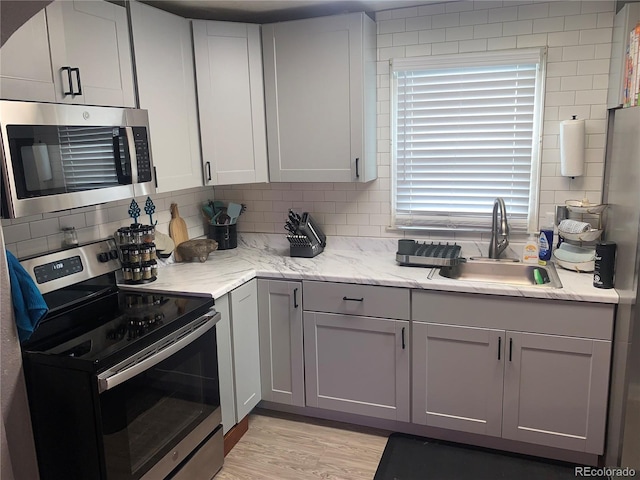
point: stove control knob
(103, 257)
(113, 254)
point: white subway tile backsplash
(475, 17)
(431, 9)
(563, 39)
(597, 6)
(562, 69)
(432, 36)
(591, 97)
(502, 43)
(391, 26)
(605, 20)
(36, 246)
(459, 6)
(489, 30)
(405, 38)
(16, 233)
(603, 50)
(582, 52)
(467, 46)
(551, 24)
(536, 10)
(446, 20)
(522, 27)
(415, 23)
(503, 14)
(527, 41)
(578, 82)
(596, 36)
(458, 33)
(42, 228)
(580, 111)
(564, 8)
(581, 22)
(444, 48)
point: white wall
(578, 35)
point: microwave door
(122, 157)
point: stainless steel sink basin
(504, 272)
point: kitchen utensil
(225, 235)
(233, 210)
(177, 229)
(583, 206)
(575, 258)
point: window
(466, 129)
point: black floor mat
(408, 457)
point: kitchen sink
(506, 272)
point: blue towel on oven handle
(29, 306)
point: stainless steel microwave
(56, 157)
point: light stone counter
(350, 260)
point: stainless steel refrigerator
(622, 192)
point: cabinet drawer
(351, 299)
(553, 317)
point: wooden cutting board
(177, 230)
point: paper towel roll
(572, 148)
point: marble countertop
(368, 261)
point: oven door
(157, 407)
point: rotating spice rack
(137, 253)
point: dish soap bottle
(545, 241)
(530, 250)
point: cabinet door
(315, 97)
(281, 353)
(225, 364)
(32, 79)
(167, 89)
(246, 356)
(555, 391)
(231, 99)
(357, 365)
(457, 378)
(92, 36)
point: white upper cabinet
(166, 88)
(90, 53)
(33, 79)
(231, 102)
(320, 89)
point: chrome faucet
(497, 247)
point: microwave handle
(133, 156)
(111, 379)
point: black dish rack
(412, 253)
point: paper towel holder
(572, 147)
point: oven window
(49, 160)
(147, 416)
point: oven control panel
(58, 269)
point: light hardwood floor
(287, 447)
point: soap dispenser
(530, 250)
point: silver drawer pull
(353, 299)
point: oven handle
(163, 350)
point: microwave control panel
(142, 154)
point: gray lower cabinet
(358, 365)
(457, 377)
(534, 371)
(246, 356)
(281, 344)
(555, 391)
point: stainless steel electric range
(122, 384)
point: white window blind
(87, 157)
(465, 131)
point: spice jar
(127, 273)
(148, 234)
(154, 268)
(146, 272)
(134, 255)
(145, 253)
(136, 274)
